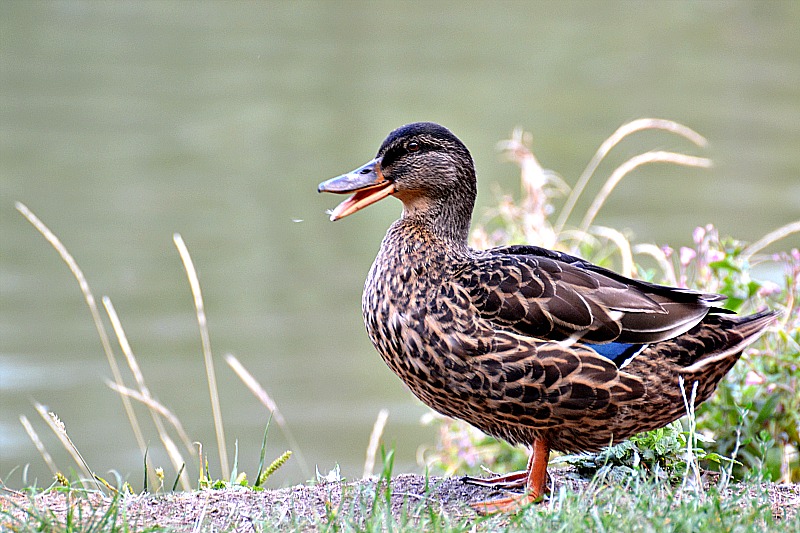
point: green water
(122, 123)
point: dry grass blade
(534, 177)
(622, 244)
(577, 237)
(61, 432)
(48, 459)
(374, 441)
(125, 345)
(172, 451)
(265, 399)
(159, 410)
(692, 478)
(90, 301)
(7, 490)
(630, 165)
(255, 387)
(622, 132)
(658, 254)
(769, 238)
(157, 407)
(202, 322)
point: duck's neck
(445, 221)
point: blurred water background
(123, 122)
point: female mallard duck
(529, 345)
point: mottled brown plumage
(529, 345)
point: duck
(533, 346)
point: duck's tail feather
(725, 337)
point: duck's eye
(413, 146)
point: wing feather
(555, 296)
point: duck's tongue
(367, 182)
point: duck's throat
(446, 220)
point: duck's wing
(555, 296)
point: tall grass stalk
(147, 399)
(60, 431)
(202, 322)
(374, 442)
(692, 477)
(256, 388)
(157, 408)
(661, 258)
(528, 220)
(90, 301)
(607, 145)
(535, 182)
(48, 459)
(630, 165)
(267, 401)
(769, 238)
(628, 267)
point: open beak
(368, 184)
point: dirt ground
(305, 506)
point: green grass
(82, 514)
(642, 503)
(650, 507)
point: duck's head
(423, 165)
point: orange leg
(536, 485)
(512, 480)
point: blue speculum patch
(618, 352)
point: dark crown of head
(429, 135)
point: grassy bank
(413, 503)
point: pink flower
(698, 234)
(768, 288)
(686, 255)
(752, 378)
(715, 255)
